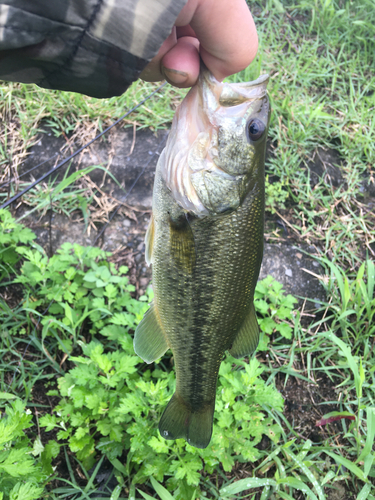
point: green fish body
(205, 244)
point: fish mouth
(231, 94)
(237, 93)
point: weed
(353, 304)
(162, 492)
(276, 195)
(275, 311)
(21, 476)
(109, 405)
(11, 235)
(77, 285)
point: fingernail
(175, 76)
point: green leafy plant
(276, 195)
(111, 403)
(274, 310)
(110, 406)
(12, 235)
(21, 476)
(84, 289)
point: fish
(205, 245)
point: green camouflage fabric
(94, 47)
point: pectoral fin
(149, 241)
(247, 338)
(182, 246)
(149, 340)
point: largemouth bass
(205, 244)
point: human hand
(221, 32)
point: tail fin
(179, 421)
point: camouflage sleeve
(95, 47)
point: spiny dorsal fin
(149, 340)
(247, 338)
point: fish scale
(206, 252)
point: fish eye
(255, 129)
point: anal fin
(149, 340)
(247, 338)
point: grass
(320, 55)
